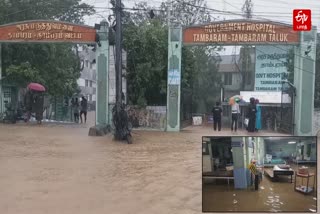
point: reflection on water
(274, 202)
(271, 197)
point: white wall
(81, 82)
(274, 149)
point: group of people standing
(253, 114)
(79, 109)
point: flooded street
(62, 170)
(59, 169)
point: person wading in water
(84, 109)
(217, 114)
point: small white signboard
(174, 77)
(265, 97)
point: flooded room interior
(259, 174)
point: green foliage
(147, 51)
(57, 66)
(146, 43)
(21, 75)
(54, 65)
(63, 10)
(207, 81)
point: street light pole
(118, 62)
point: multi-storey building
(235, 76)
(87, 81)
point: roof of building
(228, 63)
(231, 63)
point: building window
(87, 63)
(87, 83)
(90, 97)
(90, 83)
(90, 65)
(228, 79)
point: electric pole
(118, 62)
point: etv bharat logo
(302, 20)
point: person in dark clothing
(38, 107)
(84, 109)
(251, 115)
(217, 113)
(76, 109)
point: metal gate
(186, 107)
(287, 108)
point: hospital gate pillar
(1, 94)
(304, 82)
(174, 77)
(102, 62)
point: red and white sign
(302, 20)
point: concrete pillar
(304, 82)
(102, 92)
(239, 163)
(174, 78)
(1, 95)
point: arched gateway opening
(295, 97)
(44, 31)
(233, 32)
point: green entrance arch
(44, 31)
(247, 32)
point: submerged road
(60, 170)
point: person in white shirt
(235, 111)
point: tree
(186, 12)
(55, 65)
(207, 82)
(146, 42)
(22, 74)
(146, 63)
(247, 9)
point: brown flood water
(271, 197)
(60, 170)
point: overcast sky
(278, 10)
(275, 10)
